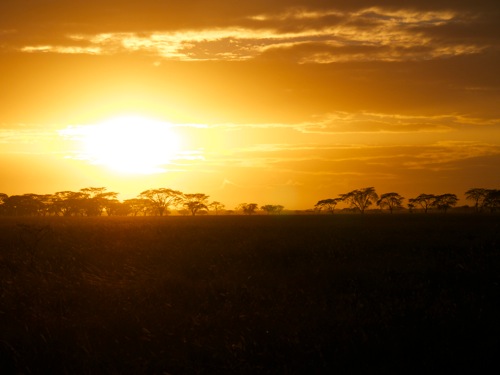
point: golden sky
(273, 102)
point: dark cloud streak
(92, 16)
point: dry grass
(246, 295)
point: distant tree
(195, 202)
(391, 201)
(423, 200)
(411, 206)
(216, 206)
(23, 205)
(183, 212)
(3, 199)
(114, 207)
(45, 202)
(445, 201)
(160, 199)
(247, 208)
(96, 199)
(137, 206)
(272, 208)
(328, 204)
(477, 195)
(68, 203)
(360, 199)
(492, 200)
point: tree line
(362, 199)
(97, 201)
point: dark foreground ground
(250, 295)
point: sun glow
(127, 144)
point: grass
(246, 295)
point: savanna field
(298, 294)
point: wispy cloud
(25, 138)
(449, 154)
(302, 35)
(365, 122)
(341, 122)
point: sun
(128, 144)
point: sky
(267, 102)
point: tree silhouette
(492, 200)
(247, 208)
(114, 207)
(445, 201)
(391, 201)
(96, 199)
(68, 203)
(423, 200)
(216, 206)
(328, 204)
(27, 205)
(360, 198)
(272, 208)
(137, 205)
(162, 198)
(195, 202)
(477, 195)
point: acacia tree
(360, 198)
(445, 201)
(391, 201)
(23, 205)
(272, 208)
(492, 200)
(195, 202)
(216, 206)
(116, 208)
(137, 205)
(424, 200)
(328, 204)
(96, 200)
(247, 208)
(162, 198)
(68, 203)
(477, 195)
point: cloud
(300, 34)
(29, 140)
(450, 154)
(226, 182)
(362, 161)
(364, 122)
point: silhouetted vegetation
(97, 201)
(360, 199)
(247, 208)
(392, 201)
(272, 209)
(327, 204)
(484, 199)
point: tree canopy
(361, 199)
(392, 201)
